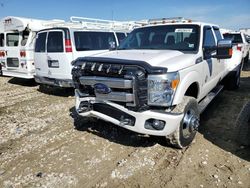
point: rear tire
(243, 125)
(185, 133)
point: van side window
(25, 35)
(85, 40)
(2, 39)
(55, 41)
(40, 42)
(12, 39)
(120, 36)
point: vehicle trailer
(159, 80)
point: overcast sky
(231, 14)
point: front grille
(128, 83)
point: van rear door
(41, 54)
(12, 50)
(59, 54)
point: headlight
(161, 88)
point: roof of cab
(182, 23)
(173, 21)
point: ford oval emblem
(101, 88)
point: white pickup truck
(159, 80)
(240, 42)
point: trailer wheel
(185, 133)
(243, 125)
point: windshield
(165, 37)
(85, 41)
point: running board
(204, 103)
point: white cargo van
(17, 41)
(57, 47)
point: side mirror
(224, 49)
(112, 45)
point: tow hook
(85, 106)
(195, 123)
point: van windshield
(12, 39)
(164, 37)
(85, 40)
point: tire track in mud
(95, 149)
(18, 97)
(149, 162)
(22, 118)
(12, 93)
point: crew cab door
(211, 66)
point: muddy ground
(42, 146)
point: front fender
(186, 81)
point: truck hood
(171, 59)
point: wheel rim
(190, 123)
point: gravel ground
(42, 146)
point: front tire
(185, 133)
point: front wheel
(185, 133)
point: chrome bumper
(139, 119)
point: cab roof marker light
(169, 20)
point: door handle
(53, 63)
